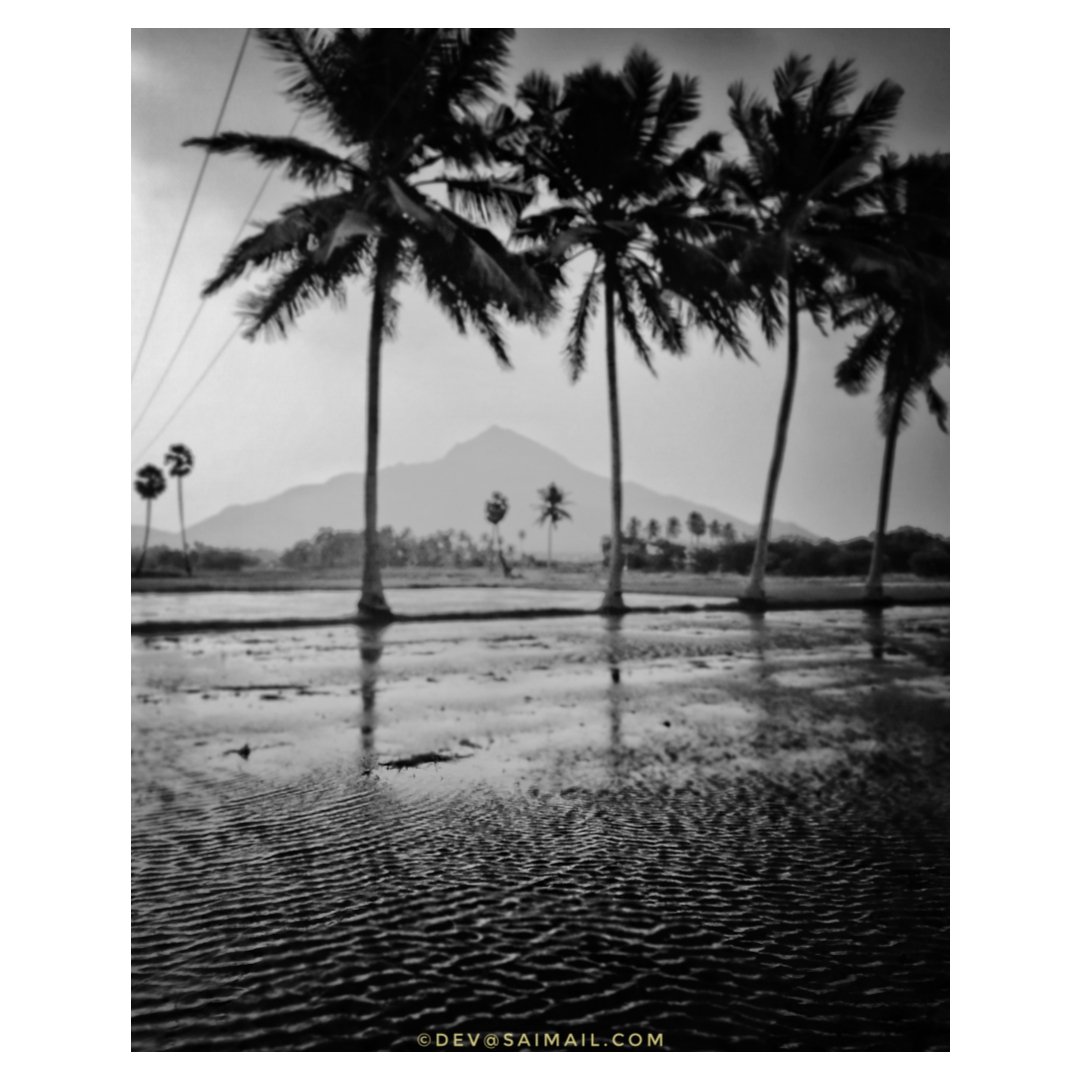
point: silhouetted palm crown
(149, 482)
(179, 460)
(496, 507)
(902, 298)
(399, 104)
(805, 177)
(552, 505)
(604, 145)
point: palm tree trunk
(755, 590)
(550, 528)
(183, 530)
(613, 599)
(875, 589)
(373, 606)
(146, 539)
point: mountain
(450, 494)
(157, 536)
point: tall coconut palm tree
(902, 302)
(495, 510)
(674, 527)
(405, 154)
(552, 509)
(804, 181)
(653, 529)
(180, 461)
(618, 189)
(149, 484)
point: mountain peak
(500, 440)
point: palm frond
(626, 314)
(865, 355)
(301, 160)
(584, 311)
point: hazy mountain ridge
(450, 494)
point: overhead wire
(202, 303)
(190, 206)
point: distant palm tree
(399, 106)
(495, 510)
(903, 304)
(674, 527)
(804, 182)
(633, 529)
(552, 507)
(620, 190)
(180, 461)
(695, 524)
(653, 529)
(149, 484)
(716, 530)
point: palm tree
(180, 461)
(674, 527)
(653, 530)
(400, 108)
(695, 524)
(801, 188)
(495, 510)
(617, 188)
(633, 528)
(553, 503)
(903, 304)
(149, 484)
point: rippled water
(729, 830)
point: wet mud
(726, 828)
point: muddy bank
(216, 611)
(728, 829)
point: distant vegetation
(906, 550)
(168, 561)
(336, 549)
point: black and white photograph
(540, 540)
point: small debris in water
(244, 752)
(432, 757)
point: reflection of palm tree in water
(759, 640)
(371, 650)
(614, 646)
(874, 632)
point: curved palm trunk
(183, 530)
(145, 541)
(613, 598)
(755, 590)
(373, 606)
(875, 589)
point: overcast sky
(273, 415)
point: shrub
(705, 560)
(933, 563)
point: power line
(190, 206)
(202, 303)
(209, 367)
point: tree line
(425, 175)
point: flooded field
(730, 830)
